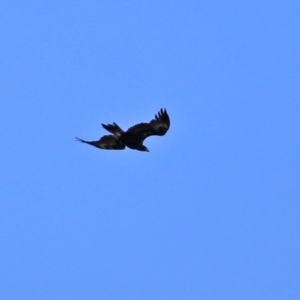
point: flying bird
(134, 137)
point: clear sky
(212, 212)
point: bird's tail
(114, 129)
(80, 140)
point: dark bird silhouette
(134, 137)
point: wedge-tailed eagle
(134, 137)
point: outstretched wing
(113, 128)
(158, 126)
(109, 142)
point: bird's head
(143, 148)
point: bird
(134, 137)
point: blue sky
(212, 212)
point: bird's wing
(114, 129)
(106, 142)
(158, 126)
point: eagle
(134, 137)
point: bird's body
(134, 137)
